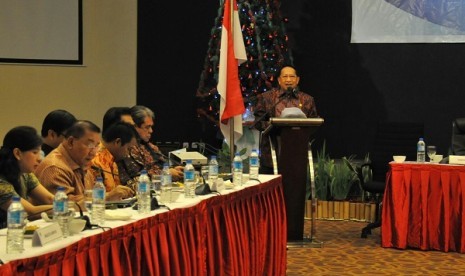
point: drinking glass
(431, 150)
(156, 183)
(204, 172)
(198, 178)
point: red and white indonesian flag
(232, 53)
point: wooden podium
(290, 138)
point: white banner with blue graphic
(408, 21)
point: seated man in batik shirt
(116, 140)
(144, 155)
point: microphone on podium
(291, 92)
(287, 93)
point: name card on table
(46, 234)
(457, 159)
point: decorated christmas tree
(265, 40)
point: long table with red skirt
(240, 233)
(424, 207)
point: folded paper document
(457, 159)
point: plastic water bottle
(212, 170)
(254, 164)
(165, 196)
(143, 193)
(189, 180)
(237, 170)
(98, 202)
(60, 210)
(421, 150)
(15, 234)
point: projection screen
(41, 31)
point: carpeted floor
(345, 253)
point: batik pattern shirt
(273, 103)
(108, 169)
(58, 169)
(28, 182)
(143, 156)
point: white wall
(107, 78)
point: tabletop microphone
(84, 217)
(100, 170)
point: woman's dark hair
(24, 138)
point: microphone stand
(100, 170)
(88, 225)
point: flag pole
(231, 120)
(231, 142)
(232, 54)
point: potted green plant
(324, 170)
(344, 176)
(323, 174)
(333, 182)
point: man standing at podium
(272, 103)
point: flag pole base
(305, 243)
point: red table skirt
(424, 207)
(243, 233)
